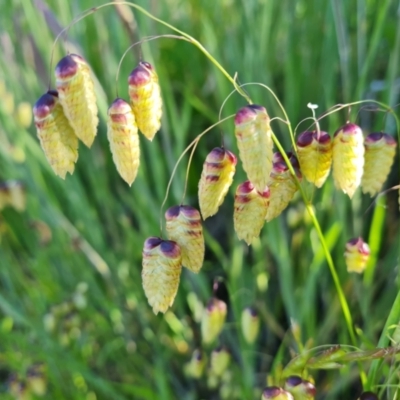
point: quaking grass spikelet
(184, 227)
(299, 388)
(380, 149)
(145, 95)
(254, 139)
(56, 136)
(250, 323)
(356, 255)
(195, 367)
(162, 264)
(250, 210)
(348, 158)
(275, 393)
(216, 178)
(220, 359)
(13, 193)
(123, 136)
(76, 92)
(314, 150)
(213, 320)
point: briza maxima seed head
(254, 140)
(76, 92)
(348, 158)
(215, 180)
(275, 393)
(250, 323)
(162, 265)
(56, 136)
(368, 396)
(220, 359)
(184, 227)
(299, 388)
(123, 136)
(314, 149)
(282, 184)
(213, 320)
(380, 150)
(145, 95)
(13, 193)
(250, 210)
(195, 367)
(356, 255)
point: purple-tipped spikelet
(356, 255)
(36, 379)
(75, 87)
(145, 95)
(314, 150)
(13, 193)
(282, 185)
(184, 227)
(250, 210)
(254, 140)
(213, 320)
(250, 322)
(195, 367)
(348, 158)
(368, 396)
(162, 264)
(123, 136)
(215, 180)
(275, 393)
(299, 388)
(220, 359)
(56, 136)
(380, 149)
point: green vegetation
(71, 296)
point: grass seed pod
(299, 388)
(250, 323)
(123, 136)
(216, 178)
(13, 193)
(56, 136)
(282, 185)
(380, 149)
(36, 379)
(314, 150)
(213, 320)
(356, 255)
(184, 227)
(220, 359)
(250, 210)
(145, 95)
(195, 367)
(76, 92)
(162, 264)
(254, 140)
(348, 158)
(275, 393)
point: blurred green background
(71, 302)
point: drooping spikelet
(162, 264)
(380, 149)
(348, 158)
(76, 92)
(12, 193)
(195, 367)
(282, 185)
(250, 322)
(216, 177)
(56, 136)
(299, 388)
(275, 393)
(123, 136)
(314, 149)
(213, 320)
(250, 210)
(254, 140)
(220, 359)
(356, 255)
(145, 94)
(184, 227)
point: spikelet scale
(56, 136)
(162, 264)
(145, 95)
(76, 92)
(314, 150)
(348, 158)
(123, 136)
(213, 320)
(356, 255)
(184, 227)
(254, 140)
(215, 180)
(380, 149)
(250, 210)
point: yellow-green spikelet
(220, 359)
(145, 95)
(195, 367)
(213, 320)
(314, 150)
(282, 185)
(161, 269)
(184, 227)
(254, 140)
(380, 150)
(275, 393)
(123, 136)
(300, 389)
(356, 255)
(216, 178)
(348, 158)
(250, 324)
(56, 136)
(76, 92)
(250, 210)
